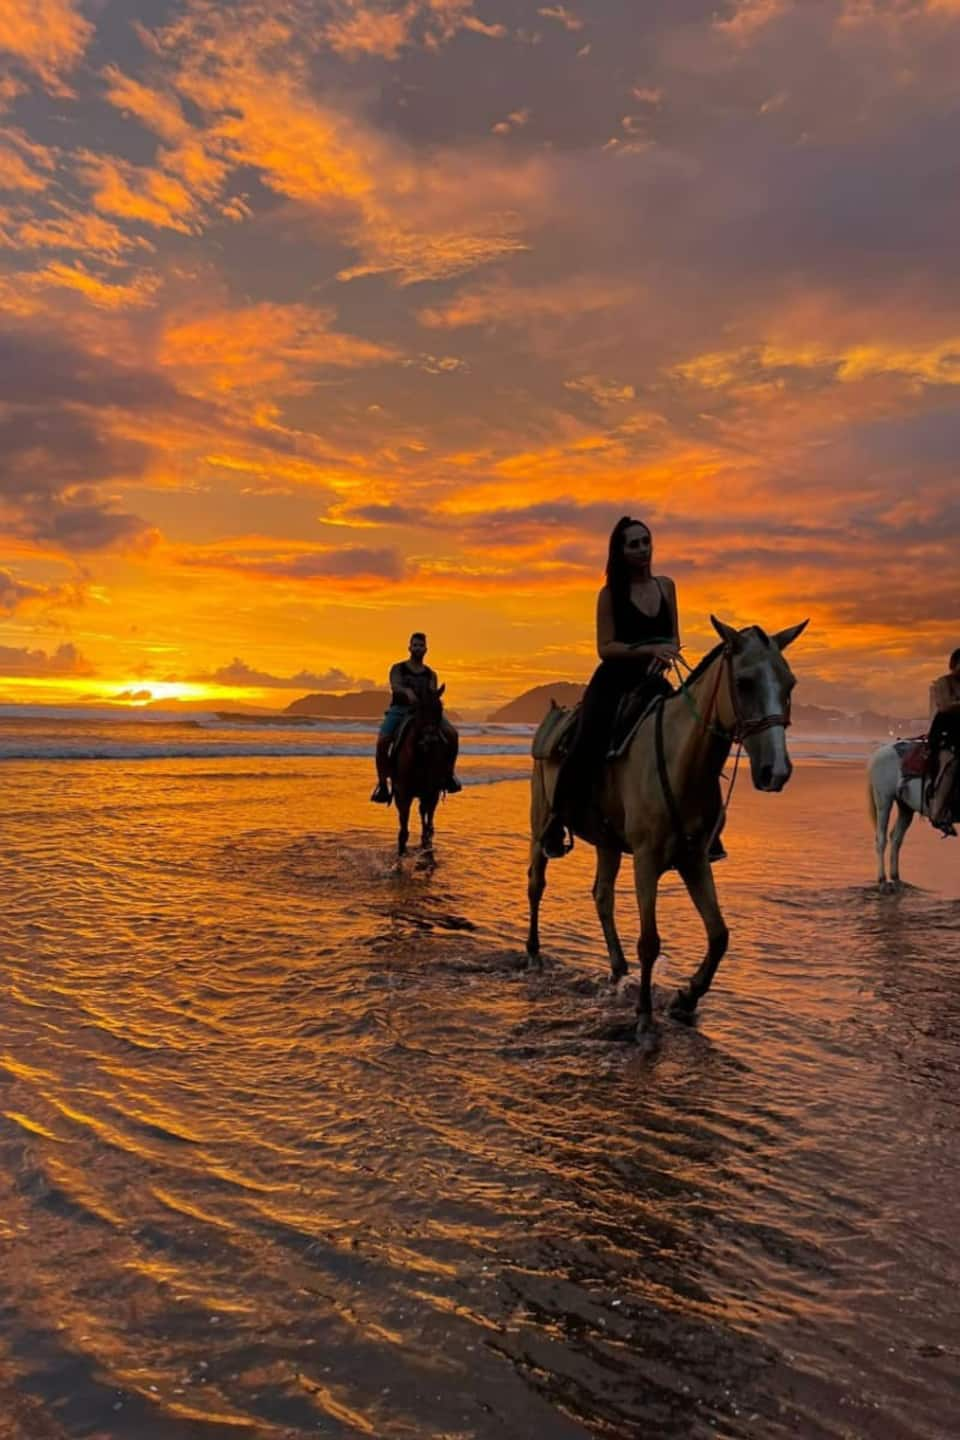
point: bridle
(742, 728)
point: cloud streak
(243, 676)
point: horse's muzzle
(771, 777)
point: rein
(741, 731)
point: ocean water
(291, 1144)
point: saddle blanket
(914, 757)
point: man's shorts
(393, 716)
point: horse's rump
(554, 734)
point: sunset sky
(329, 319)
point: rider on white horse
(944, 748)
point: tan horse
(660, 802)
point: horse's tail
(872, 800)
(538, 800)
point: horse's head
(429, 714)
(755, 704)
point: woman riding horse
(638, 638)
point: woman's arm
(609, 648)
(670, 590)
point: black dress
(611, 680)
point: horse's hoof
(618, 970)
(646, 1035)
(682, 1007)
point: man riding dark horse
(943, 749)
(411, 681)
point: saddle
(631, 713)
(556, 730)
(398, 735)
(914, 758)
(553, 735)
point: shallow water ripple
(291, 1144)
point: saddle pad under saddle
(554, 733)
(914, 757)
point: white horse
(889, 789)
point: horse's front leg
(402, 803)
(882, 808)
(604, 897)
(426, 824)
(900, 827)
(698, 878)
(648, 946)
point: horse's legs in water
(426, 824)
(648, 946)
(901, 826)
(402, 803)
(882, 805)
(536, 884)
(698, 878)
(604, 896)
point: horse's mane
(701, 665)
(711, 655)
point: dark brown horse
(421, 766)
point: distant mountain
(863, 722)
(530, 707)
(356, 705)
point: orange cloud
(749, 17)
(502, 303)
(24, 165)
(159, 110)
(82, 230)
(134, 192)
(65, 660)
(111, 295)
(46, 37)
(266, 344)
(415, 218)
(361, 30)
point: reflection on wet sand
(291, 1143)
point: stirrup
(453, 785)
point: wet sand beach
(290, 1145)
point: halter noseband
(743, 729)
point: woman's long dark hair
(618, 573)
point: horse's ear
(441, 690)
(783, 638)
(726, 632)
